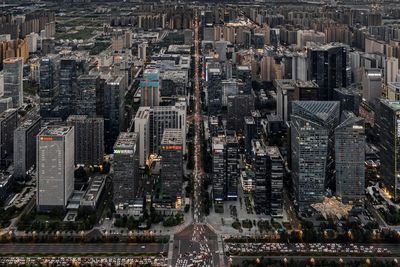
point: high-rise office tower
(312, 125)
(13, 80)
(8, 124)
(229, 88)
(214, 90)
(89, 139)
(327, 65)
(113, 109)
(150, 88)
(285, 92)
(85, 96)
(172, 166)
(25, 146)
(67, 83)
(48, 85)
(274, 184)
(299, 67)
(350, 158)
(232, 166)
(372, 85)
(388, 130)
(55, 167)
(163, 117)
(250, 133)
(142, 53)
(142, 126)
(391, 70)
(306, 90)
(239, 106)
(219, 172)
(259, 165)
(126, 165)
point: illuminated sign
(46, 138)
(172, 147)
(123, 151)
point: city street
(74, 249)
(197, 244)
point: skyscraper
(388, 130)
(142, 47)
(327, 65)
(372, 85)
(25, 146)
(172, 166)
(48, 85)
(55, 167)
(285, 93)
(239, 106)
(142, 126)
(218, 172)
(214, 90)
(163, 117)
(350, 158)
(113, 109)
(126, 165)
(259, 165)
(232, 166)
(85, 97)
(67, 83)
(274, 184)
(13, 79)
(312, 125)
(8, 124)
(150, 86)
(89, 139)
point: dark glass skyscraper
(312, 148)
(48, 85)
(327, 65)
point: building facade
(25, 146)
(55, 167)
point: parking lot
(312, 248)
(87, 261)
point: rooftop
(95, 188)
(7, 113)
(55, 131)
(172, 136)
(126, 140)
(394, 105)
(285, 84)
(320, 109)
(26, 124)
(307, 84)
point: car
(143, 247)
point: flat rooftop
(126, 140)
(26, 124)
(172, 136)
(56, 130)
(95, 188)
(7, 113)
